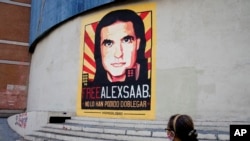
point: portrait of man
(120, 48)
(117, 70)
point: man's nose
(118, 51)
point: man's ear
(138, 41)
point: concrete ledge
(224, 137)
(72, 135)
(139, 133)
(26, 123)
(118, 123)
(8, 113)
(114, 131)
(207, 136)
(159, 134)
(92, 129)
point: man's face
(119, 47)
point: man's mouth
(118, 64)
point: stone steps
(100, 129)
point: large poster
(118, 63)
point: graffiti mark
(21, 120)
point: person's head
(181, 128)
(119, 43)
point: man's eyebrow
(106, 41)
(129, 37)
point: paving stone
(6, 133)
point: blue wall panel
(47, 13)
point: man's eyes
(128, 39)
(107, 43)
(110, 43)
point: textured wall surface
(203, 56)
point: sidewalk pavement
(6, 133)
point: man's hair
(124, 15)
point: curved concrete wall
(54, 71)
(203, 63)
